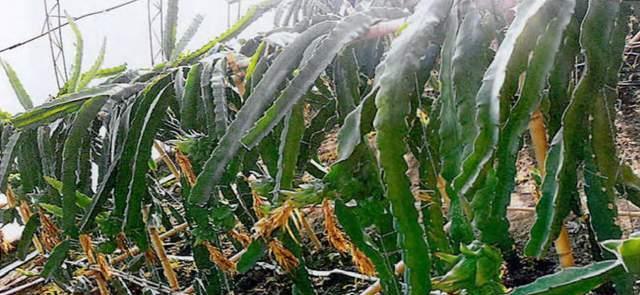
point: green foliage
(187, 35)
(254, 12)
(136, 152)
(4, 116)
(599, 158)
(28, 233)
(8, 157)
(572, 280)
(74, 79)
(354, 229)
(198, 149)
(70, 103)
(396, 78)
(107, 72)
(170, 28)
(70, 160)
(580, 280)
(476, 271)
(553, 205)
(255, 251)
(627, 251)
(289, 150)
(190, 111)
(21, 93)
(218, 85)
(425, 116)
(539, 67)
(56, 259)
(254, 105)
(86, 77)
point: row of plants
(443, 89)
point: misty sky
(125, 29)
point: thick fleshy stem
(538, 133)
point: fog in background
(126, 31)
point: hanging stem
(25, 214)
(538, 133)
